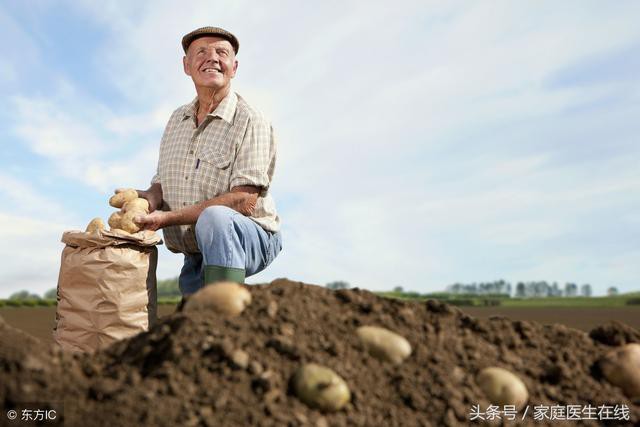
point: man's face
(210, 62)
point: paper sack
(106, 288)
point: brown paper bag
(106, 288)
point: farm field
(39, 321)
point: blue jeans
(227, 238)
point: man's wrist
(167, 218)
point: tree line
(533, 289)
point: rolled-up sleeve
(256, 155)
(155, 179)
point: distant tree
(51, 294)
(521, 290)
(22, 295)
(612, 291)
(339, 284)
(570, 290)
(531, 289)
(585, 290)
(538, 289)
(555, 290)
(501, 287)
(545, 288)
(456, 288)
(398, 289)
(508, 289)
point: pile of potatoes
(130, 206)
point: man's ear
(235, 68)
(185, 66)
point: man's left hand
(153, 221)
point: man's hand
(154, 221)
(246, 204)
(153, 195)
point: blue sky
(419, 145)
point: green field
(457, 300)
(503, 301)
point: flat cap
(210, 31)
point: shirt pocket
(215, 158)
(213, 173)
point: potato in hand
(128, 224)
(137, 204)
(124, 196)
(115, 220)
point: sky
(419, 143)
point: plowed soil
(183, 372)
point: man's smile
(211, 70)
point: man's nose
(212, 55)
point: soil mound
(200, 369)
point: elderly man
(210, 194)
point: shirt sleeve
(256, 156)
(155, 179)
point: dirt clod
(615, 333)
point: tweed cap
(210, 31)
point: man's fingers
(140, 219)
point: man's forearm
(239, 201)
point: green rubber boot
(215, 273)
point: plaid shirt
(234, 145)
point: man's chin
(211, 84)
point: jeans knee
(214, 219)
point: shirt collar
(225, 110)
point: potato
(128, 224)
(119, 199)
(502, 387)
(137, 204)
(95, 225)
(621, 367)
(383, 344)
(320, 387)
(115, 220)
(226, 298)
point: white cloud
(93, 146)
(31, 225)
(21, 198)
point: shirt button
(191, 152)
(184, 203)
(186, 177)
